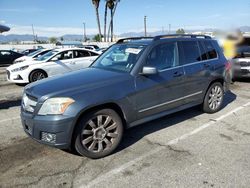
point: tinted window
(210, 50)
(163, 56)
(81, 53)
(203, 55)
(191, 51)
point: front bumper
(60, 126)
(17, 77)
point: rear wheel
(98, 133)
(214, 98)
(37, 75)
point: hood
(24, 63)
(69, 83)
(23, 58)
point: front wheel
(37, 75)
(214, 98)
(98, 133)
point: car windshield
(34, 53)
(47, 55)
(120, 57)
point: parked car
(241, 68)
(28, 51)
(241, 62)
(32, 56)
(91, 47)
(54, 62)
(89, 109)
(7, 57)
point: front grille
(29, 103)
(8, 74)
(244, 64)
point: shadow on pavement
(135, 134)
(9, 104)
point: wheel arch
(36, 69)
(220, 80)
(110, 105)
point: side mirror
(149, 71)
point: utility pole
(33, 33)
(169, 28)
(84, 32)
(162, 30)
(145, 26)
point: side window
(210, 50)
(191, 51)
(63, 56)
(163, 56)
(81, 53)
(203, 55)
(5, 53)
(93, 54)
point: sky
(59, 17)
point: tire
(98, 133)
(214, 98)
(37, 75)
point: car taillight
(228, 66)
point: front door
(163, 91)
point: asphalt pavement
(185, 149)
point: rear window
(210, 50)
(191, 51)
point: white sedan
(58, 61)
(32, 56)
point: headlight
(18, 61)
(55, 106)
(20, 68)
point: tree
(96, 4)
(97, 38)
(112, 7)
(105, 20)
(52, 40)
(180, 31)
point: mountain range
(72, 37)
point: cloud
(50, 31)
(2, 21)
(25, 10)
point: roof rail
(181, 35)
(133, 38)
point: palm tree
(112, 5)
(96, 4)
(105, 20)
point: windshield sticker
(133, 50)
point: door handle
(178, 74)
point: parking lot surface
(185, 149)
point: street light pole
(145, 26)
(84, 32)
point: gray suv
(135, 81)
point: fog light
(49, 137)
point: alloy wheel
(99, 133)
(215, 97)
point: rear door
(83, 59)
(165, 90)
(195, 67)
